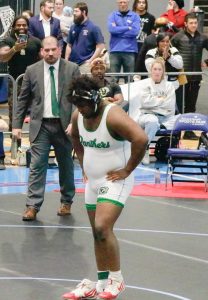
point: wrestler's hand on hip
(117, 175)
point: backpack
(162, 145)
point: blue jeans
(122, 59)
(1, 145)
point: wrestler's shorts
(103, 190)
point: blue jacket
(123, 30)
(36, 28)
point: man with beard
(111, 91)
(20, 53)
(46, 87)
(85, 40)
(44, 24)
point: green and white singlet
(104, 153)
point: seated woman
(171, 56)
(158, 102)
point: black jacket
(191, 48)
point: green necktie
(54, 101)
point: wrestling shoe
(86, 289)
(113, 289)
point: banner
(7, 17)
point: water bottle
(157, 176)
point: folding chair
(187, 160)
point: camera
(22, 38)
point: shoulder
(68, 64)
(55, 21)
(183, 12)
(35, 66)
(34, 19)
(34, 39)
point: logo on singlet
(94, 143)
(103, 190)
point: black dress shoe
(2, 165)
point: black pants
(191, 95)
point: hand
(117, 175)
(17, 132)
(113, 24)
(68, 130)
(85, 179)
(110, 99)
(170, 5)
(166, 53)
(19, 46)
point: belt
(52, 120)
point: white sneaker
(146, 158)
(113, 289)
(86, 289)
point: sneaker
(64, 210)
(2, 165)
(29, 214)
(113, 289)
(27, 119)
(86, 289)
(146, 158)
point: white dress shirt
(46, 25)
(47, 112)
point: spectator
(3, 127)
(19, 54)
(175, 13)
(190, 44)
(115, 153)
(58, 9)
(46, 87)
(124, 26)
(65, 15)
(85, 40)
(27, 14)
(111, 91)
(158, 103)
(172, 58)
(161, 25)
(44, 24)
(147, 20)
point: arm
(116, 96)
(98, 49)
(121, 124)
(22, 105)
(68, 52)
(175, 59)
(124, 30)
(152, 100)
(7, 52)
(78, 148)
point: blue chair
(186, 162)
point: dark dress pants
(51, 133)
(191, 95)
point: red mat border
(179, 190)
